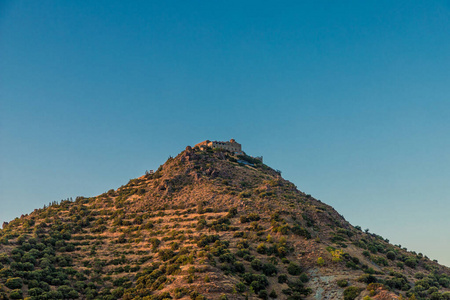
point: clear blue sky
(350, 99)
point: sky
(349, 99)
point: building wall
(231, 145)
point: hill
(206, 225)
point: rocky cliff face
(206, 225)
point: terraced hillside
(206, 225)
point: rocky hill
(206, 225)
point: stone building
(232, 145)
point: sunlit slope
(206, 225)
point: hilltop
(208, 224)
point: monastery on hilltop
(232, 145)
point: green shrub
(35, 291)
(238, 234)
(269, 269)
(256, 264)
(16, 294)
(391, 255)
(240, 287)
(258, 285)
(284, 229)
(263, 294)
(304, 278)
(298, 287)
(14, 283)
(380, 260)
(122, 282)
(351, 292)
(166, 254)
(444, 282)
(342, 283)
(207, 239)
(4, 259)
(411, 262)
(249, 217)
(242, 244)
(282, 278)
(261, 249)
(367, 278)
(436, 296)
(294, 269)
(256, 281)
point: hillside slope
(206, 225)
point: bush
(304, 278)
(320, 261)
(257, 282)
(122, 282)
(207, 239)
(351, 292)
(301, 231)
(391, 255)
(14, 283)
(380, 261)
(436, 296)
(16, 294)
(258, 285)
(263, 294)
(444, 282)
(298, 288)
(256, 264)
(342, 283)
(269, 269)
(166, 254)
(240, 287)
(249, 217)
(35, 291)
(261, 249)
(411, 262)
(294, 269)
(367, 278)
(239, 267)
(282, 278)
